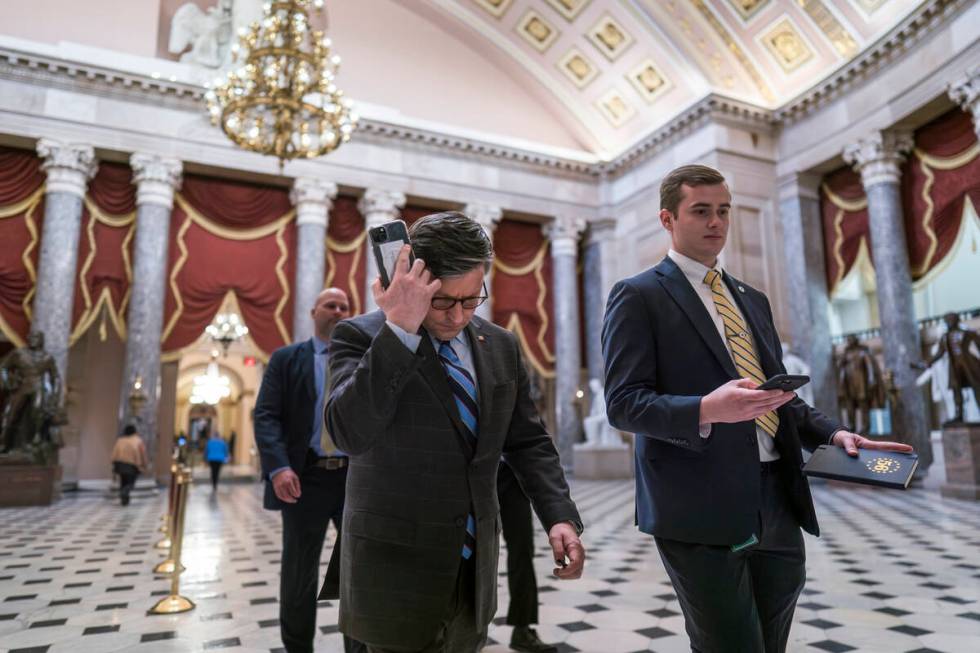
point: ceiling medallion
(570, 9)
(280, 98)
(785, 43)
(648, 80)
(578, 68)
(495, 8)
(537, 31)
(616, 109)
(609, 37)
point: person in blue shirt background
(216, 453)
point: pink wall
(124, 25)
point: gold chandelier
(280, 98)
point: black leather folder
(870, 467)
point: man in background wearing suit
(426, 398)
(305, 472)
(718, 480)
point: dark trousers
(215, 472)
(518, 531)
(127, 480)
(304, 526)
(459, 634)
(742, 602)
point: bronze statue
(29, 377)
(859, 385)
(964, 367)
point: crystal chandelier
(210, 387)
(280, 97)
(226, 329)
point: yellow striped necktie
(740, 344)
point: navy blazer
(662, 354)
(284, 413)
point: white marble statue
(209, 34)
(796, 365)
(599, 433)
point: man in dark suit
(305, 472)
(425, 399)
(718, 480)
(517, 527)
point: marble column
(806, 285)
(377, 206)
(878, 158)
(156, 179)
(600, 269)
(313, 199)
(69, 166)
(966, 93)
(564, 233)
(488, 216)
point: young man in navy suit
(305, 472)
(718, 480)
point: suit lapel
(757, 322)
(435, 375)
(306, 373)
(485, 378)
(679, 288)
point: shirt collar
(459, 339)
(693, 270)
(320, 346)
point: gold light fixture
(280, 97)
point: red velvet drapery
(522, 286)
(844, 212)
(21, 216)
(345, 266)
(943, 171)
(105, 250)
(230, 237)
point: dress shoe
(525, 639)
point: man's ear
(665, 219)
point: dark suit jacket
(284, 413)
(414, 475)
(662, 354)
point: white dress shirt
(694, 271)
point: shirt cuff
(410, 340)
(704, 430)
(273, 473)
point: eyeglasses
(469, 303)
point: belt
(769, 467)
(333, 462)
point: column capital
(799, 184)
(379, 206)
(564, 232)
(879, 157)
(156, 178)
(601, 230)
(487, 215)
(965, 92)
(69, 166)
(313, 199)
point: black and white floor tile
(895, 572)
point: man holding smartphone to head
(718, 459)
(426, 398)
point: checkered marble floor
(894, 572)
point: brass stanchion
(167, 566)
(168, 518)
(174, 602)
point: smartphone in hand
(387, 241)
(785, 382)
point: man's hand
(739, 401)
(565, 543)
(851, 442)
(286, 486)
(407, 299)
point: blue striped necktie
(464, 392)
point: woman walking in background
(128, 460)
(216, 453)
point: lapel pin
(741, 288)
(480, 338)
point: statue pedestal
(28, 485)
(961, 448)
(603, 463)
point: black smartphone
(785, 382)
(387, 241)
